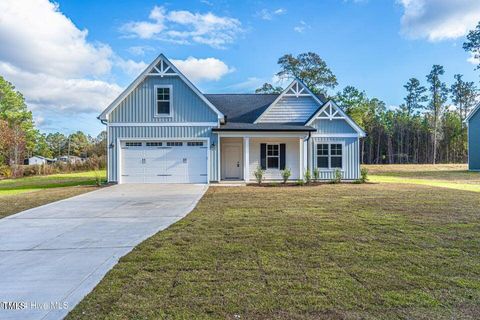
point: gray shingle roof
(244, 108)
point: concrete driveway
(52, 256)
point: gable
(331, 119)
(296, 104)
(140, 104)
(473, 113)
(161, 67)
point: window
(194, 143)
(273, 156)
(174, 144)
(322, 156)
(133, 144)
(163, 100)
(154, 144)
(329, 156)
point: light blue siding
(140, 105)
(474, 142)
(351, 161)
(291, 109)
(334, 126)
(159, 132)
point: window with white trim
(194, 143)
(330, 156)
(133, 144)
(163, 100)
(174, 144)
(154, 144)
(273, 156)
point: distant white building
(39, 160)
(70, 159)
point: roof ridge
(243, 94)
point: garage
(164, 162)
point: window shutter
(282, 156)
(263, 156)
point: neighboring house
(162, 129)
(39, 160)
(473, 123)
(70, 159)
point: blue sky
(85, 52)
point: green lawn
(453, 176)
(347, 251)
(35, 183)
(24, 193)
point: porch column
(246, 158)
(300, 157)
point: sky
(70, 59)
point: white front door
(164, 162)
(233, 162)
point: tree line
(428, 127)
(20, 139)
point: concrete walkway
(52, 256)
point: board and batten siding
(131, 133)
(292, 157)
(140, 105)
(290, 109)
(474, 142)
(334, 126)
(351, 157)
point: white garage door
(164, 162)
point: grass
(35, 183)
(371, 251)
(15, 203)
(24, 193)
(452, 176)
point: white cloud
(301, 27)
(130, 67)
(473, 60)
(438, 20)
(266, 14)
(45, 92)
(185, 27)
(51, 61)
(202, 69)
(36, 35)
(139, 50)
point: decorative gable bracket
(162, 68)
(296, 89)
(330, 112)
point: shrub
(5, 171)
(337, 176)
(300, 182)
(316, 174)
(259, 173)
(286, 175)
(363, 175)
(308, 176)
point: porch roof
(236, 126)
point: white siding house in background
(39, 160)
(162, 129)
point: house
(70, 159)
(473, 123)
(39, 160)
(162, 129)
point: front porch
(241, 154)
